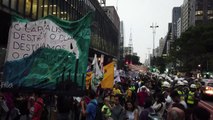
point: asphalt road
(208, 104)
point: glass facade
(105, 37)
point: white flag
(97, 73)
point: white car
(207, 87)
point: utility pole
(149, 56)
(154, 32)
(130, 45)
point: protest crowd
(147, 97)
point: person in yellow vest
(180, 90)
(192, 96)
(106, 109)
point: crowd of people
(147, 97)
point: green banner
(48, 53)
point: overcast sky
(138, 15)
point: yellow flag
(88, 79)
(108, 79)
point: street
(208, 104)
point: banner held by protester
(39, 51)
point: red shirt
(141, 97)
(38, 106)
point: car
(207, 87)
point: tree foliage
(159, 63)
(195, 46)
(132, 59)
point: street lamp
(154, 32)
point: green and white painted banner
(45, 52)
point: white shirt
(160, 107)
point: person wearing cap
(166, 91)
(192, 96)
(180, 90)
(186, 87)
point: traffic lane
(209, 102)
(208, 106)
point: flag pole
(76, 71)
(82, 82)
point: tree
(195, 46)
(159, 63)
(132, 59)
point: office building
(121, 43)
(185, 15)
(179, 28)
(201, 12)
(113, 15)
(176, 14)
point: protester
(118, 112)
(176, 111)
(31, 102)
(159, 106)
(38, 106)
(106, 109)
(90, 110)
(141, 96)
(3, 106)
(192, 96)
(132, 112)
(147, 109)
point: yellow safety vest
(182, 97)
(190, 98)
(106, 110)
(132, 88)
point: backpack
(98, 115)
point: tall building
(176, 14)
(168, 40)
(161, 46)
(185, 15)
(201, 12)
(179, 28)
(157, 51)
(113, 15)
(121, 51)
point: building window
(210, 12)
(200, 12)
(28, 9)
(210, 17)
(45, 7)
(40, 8)
(6, 2)
(34, 10)
(198, 17)
(21, 6)
(13, 4)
